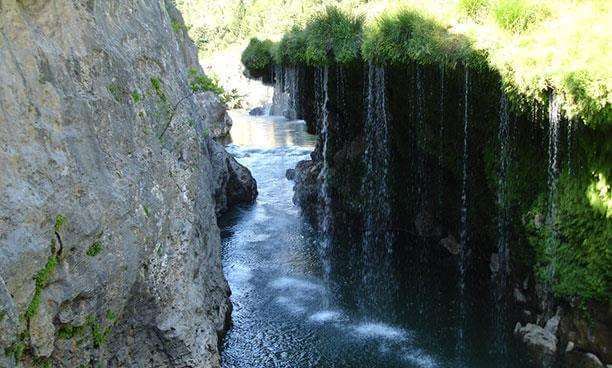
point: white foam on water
(290, 305)
(239, 273)
(293, 283)
(259, 238)
(380, 330)
(326, 316)
(420, 358)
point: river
(288, 311)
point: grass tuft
(518, 15)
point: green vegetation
(177, 26)
(115, 91)
(94, 249)
(473, 8)
(576, 248)
(136, 96)
(518, 15)
(257, 57)
(199, 82)
(67, 332)
(406, 36)
(333, 36)
(534, 46)
(41, 279)
(60, 220)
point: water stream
(292, 309)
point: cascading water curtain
(500, 268)
(378, 236)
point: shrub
(333, 36)
(473, 8)
(579, 251)
(518, 15)
(257, 57)
(291, 48)
(408, 36)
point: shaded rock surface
(542, 343)
(109, 245)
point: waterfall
(554, 118)
(279, 99)
(422, 220)
(326, 216)
(463, 226)
(463, 236)
(500, 266)
(378, 237)
(291, 92)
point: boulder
(540, 342)
(258, 111)
(232, 183)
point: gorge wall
(111, 183)
(432, 171)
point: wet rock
(575, 358)
(519, 297)
(541, 343)
(232, 183)
(258, 111)
(494, 263)
(290, 174)
(589, 334)
(451, 244)
(307, 189)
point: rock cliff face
(109, 246)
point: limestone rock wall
(109, 246)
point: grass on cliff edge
(534, 45)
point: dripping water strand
(554, 118)
(326, 217)
(463, 244)
(500, 268)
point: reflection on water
(268, 132)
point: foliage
(575, 252)
(60, 220)
(408, 36)
(136, 96)
(94, 249)
(473, 8)
(333, 36)
(199, 82)
(290, 49)
(41, 279)
(257, 57)
(518, 15)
